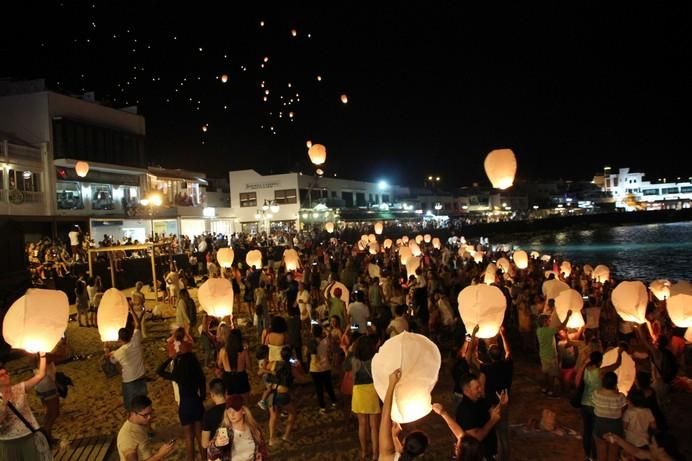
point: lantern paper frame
(570, 300)
(630, 299)
(216, 297)
(225, 257)
(482, 305)
(317, 154)
(37, 320)
(626, 372)
(254, 258)
(81, 168)
(112, 313)
(679, 305)
(501, 167)
(521, 259)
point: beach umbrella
(37, 320)
(419, 360)
(112, 314)
(630, 300)
(482, 305)
(501, 166)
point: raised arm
(34, 380)
(615, 365)
(505, 343)
(563, 325)
(387, 450)
(451, 422)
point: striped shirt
(607, 404)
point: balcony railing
(17, 153)
(20, 197)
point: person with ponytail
(391, 447)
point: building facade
(631, 192)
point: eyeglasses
(145, 415)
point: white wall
(264, 186)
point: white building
(630, 191)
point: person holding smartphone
(133, 441)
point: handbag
(109, 368)
(40, 436)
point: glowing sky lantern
(566, 268)
(679, 304)
(490, 274)
(387, 244)
(412, 265)
(372, 238)
(329, 227)
(427, 238)
(630, 300)
(419, 360)
(626, 372)
(225, 257)
(379, 227)
(521, 259)
(294, 33)
(588, 270)
(364, 237)
(415, 249)
(482, 305)
(224, 78)
(112, 314)
(660, 289)
(535, 255)
(404, 239)
(216, 297)
(546, 258)
(308, 144)
(419, 239)
(478, 256)
(254, 258)
(567, 300)
(344, 99)
(404, 254)
(436, 243)
(37, 320)
(501, 166)
(344, 291)
(373, 248)
(552, 288)
(205, 128)
(81, 168)
(601, 273)
(373, 270)
(317, 154)
(291, 259)
(504, 264)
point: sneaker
(262, 404)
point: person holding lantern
(20, 438)
(548, 353)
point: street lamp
(267, 212)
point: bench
(85, 449)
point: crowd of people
(299, 328)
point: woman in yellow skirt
(365, 403)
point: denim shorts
(132, 390)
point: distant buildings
(631, 192)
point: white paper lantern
(225, 257)
(419, 360)
(566, 268)
(317, 154)
(81, 168)
(364, 238)
(291, 259)
(504, 264)
(419, 239)
(412, 265)
(374, 248)
(660, 289)
(535, 255)
(379, 227)
(436, 243)
(630, 300)
(329, 227)
(404, 239)
(601, 273)
(427, 238)
(478, 256)
(688, 335)
(501, 166)
(37, 320)
(372, 238)
(344, 292)
(588, 270)
(552, 288)
(679, 304)
(567, 300)
(490, 274)
(627, 372)
(216, 297)
(404, 254)
(373, 270)
(387, 244)
(254, 258)
(112, 314)
(546, 258)
(521, 259)
(482, 305)
(415, 249)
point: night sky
(432, 87)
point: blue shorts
(132, 390)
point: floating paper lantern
(478, 256)
(588, 270)
(679, 304)
(503, 264)
(521, 259)
(404, 254)
(482, 305)
(427, 238)
(254, 258)
(344, 99)
(630, 300)
(626, 372)
(601, 273)
(329, 227)
(399, 242)
(224, 78)
(344, 292)
(291, 260)
(404, 239)
(37, 320)
(419, 360)
(374, 248)
(567, 300)
(552, 288)
(362, 245)
(225, 256)
(436, 243)
(419, 239)
(317, 154)
(415, 249)
(308, 144)
(501, 166)
(490, 274)
(216, 297)
(112, 314)
(379, 227)
(546, 258)
(81, 168)
(372, 238)
(373, 270)
(387, 244)
(566, 268)
(535, 255)
(412, 265)
(364, 238)
(660, 289)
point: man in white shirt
(304, 304)
(74, 241)
(131, 359)
(359, 313)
